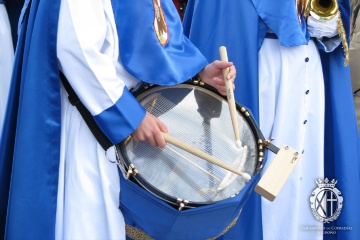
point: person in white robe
(292, 110)
(88, 190)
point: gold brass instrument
(322, 10)
(325, 10)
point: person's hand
(150, 130)
(212, 74)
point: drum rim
(139, 180)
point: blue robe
(241, 26)
(30, 143)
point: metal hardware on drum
(132, 171)
(182, 203)
(245, 111)
(108, 157)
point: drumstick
(197, 152)
(230, 97)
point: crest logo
(326, 201)
(160, 25)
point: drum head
(201, 118)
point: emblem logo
(160, 26)
(326, 201)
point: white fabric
(88, 52)
(319, 29)
(88, 193)
(284, 78)
(6, 60)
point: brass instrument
(325, 10)
(322, 10)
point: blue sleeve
(120, 120)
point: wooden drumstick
(230, 97)
(197, 152)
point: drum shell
(159, 218)
(148, 211)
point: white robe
(89, 187)
(291, 93)
(6, 60)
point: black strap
(88, 118)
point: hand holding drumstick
(150, 128)
(230, 98)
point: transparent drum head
(201, 118)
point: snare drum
(171, 194)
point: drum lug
(245, 111)
(261, 146)
(182, 203)
(132, 171)
(268, 141)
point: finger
(162, 126)
(232, 73)
(218, 81)
(152, 141)
(223, 64)
(137, 137)
(159, 139)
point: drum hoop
(139, 180)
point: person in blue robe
(242, 26)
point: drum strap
(86, 115)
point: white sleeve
(88, 54)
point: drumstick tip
(238, 144)
(246, 177)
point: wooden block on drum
(277, 173)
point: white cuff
(319, 29)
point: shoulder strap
(88, 118)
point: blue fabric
(239, 25)
(144, 56)
(116, 122)
(342, 156)
(149, 211)
(32, 138)
(281, 18)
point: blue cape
(30, 142)
(241, 26)
(173, 63)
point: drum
(171, 194)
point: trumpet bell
(322, 10)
